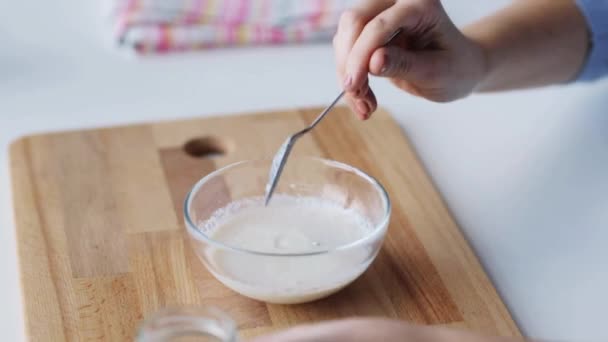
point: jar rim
(171, 322)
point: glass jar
(204, 324)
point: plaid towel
(160, 26)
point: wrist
(480, 58)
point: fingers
(361, 100)
(365, 330)
(353, 330)
(391, 62)
(350, 26)
(364, 103)
(364, 106)
(321, 332)
(373, 36)
(398, 63)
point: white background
(525, 173)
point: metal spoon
(280, 158)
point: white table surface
(524, 173)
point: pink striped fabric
(161, 26)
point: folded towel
(159, 26)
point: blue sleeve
(596, 13)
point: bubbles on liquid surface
(294, 241)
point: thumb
(414, 66)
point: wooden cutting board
(102, 245)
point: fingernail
(362, 108)
(348, 81)
(384, 68)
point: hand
(372, 330)
(431, 58)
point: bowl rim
(379, 229)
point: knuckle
(402, 66)
(410, 8)
(419, 7)
(433, 6)
(352, 18)
(379, 24)
(421, 3)
(429, 5)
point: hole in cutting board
(207, 147)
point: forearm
(531, 43)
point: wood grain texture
(101, 242)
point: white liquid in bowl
(288, 225)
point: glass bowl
(322, 229)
